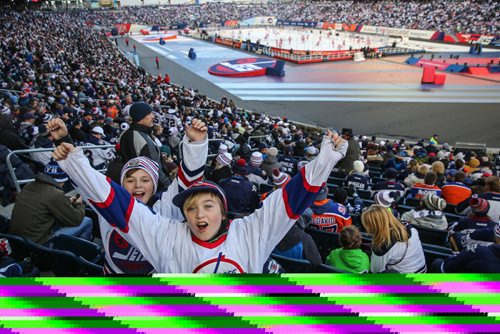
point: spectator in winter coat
(455, 191)
(353, 153)
(428, 214)
(222, 168)
(480, 259)
(271, 161)
(395, 247)
(138, 140)
(350, 257)
(358, 178)
(390, 183)
(8, 134)
(327, 215)
(42, 210)
(254, 174)
(297, 244)
(241, 194)
(419, 190)
(417, 176)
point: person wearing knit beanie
(221, 169)
(273, 151)
(385, 198)
(240, 167)
(358, 166)
(142, 113)
(280, 179)
(434, 202)
(256, 159)
(139, 177)
(429, 214)
(224, 159)
(479, 206)
(222, 148)
(473, 163)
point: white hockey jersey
(122, 256)
(169, 245)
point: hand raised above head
(57, 128)
(61, 152)
(196, 131)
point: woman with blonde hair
(395, 247)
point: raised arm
(269, 224)
(194, 157)
(135, 221)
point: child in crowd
(206, 242)
(350, 257)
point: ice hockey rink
(380, 96)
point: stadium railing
(11, 169)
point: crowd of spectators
(470, 16)
(68, 71)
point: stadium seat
(325, 241)
(336, 181)
(20, 247)
(364, 194)
(91, 268)
(375, 173)
(432, 254)
(376, 180)
(293, 265)
(4, 224)
(412, 202)
(432, 236)
(338, 174)
(324, 268)
(356, 221)
(80, 247)
(62, 263)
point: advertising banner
(299, 24)
(410, 33)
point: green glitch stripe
(235, 321)
(460, 319)
(229, 322)
(94, 302)
(39, 302)
(257, 279)
(379, 320)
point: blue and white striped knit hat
(53, 170)
(144, 163)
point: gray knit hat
(434, 202)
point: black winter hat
(139, 110)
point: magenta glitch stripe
(133, 290)
(243, 310)
(347, 328)
(138, 330)
(471, 287)
(72, 330)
